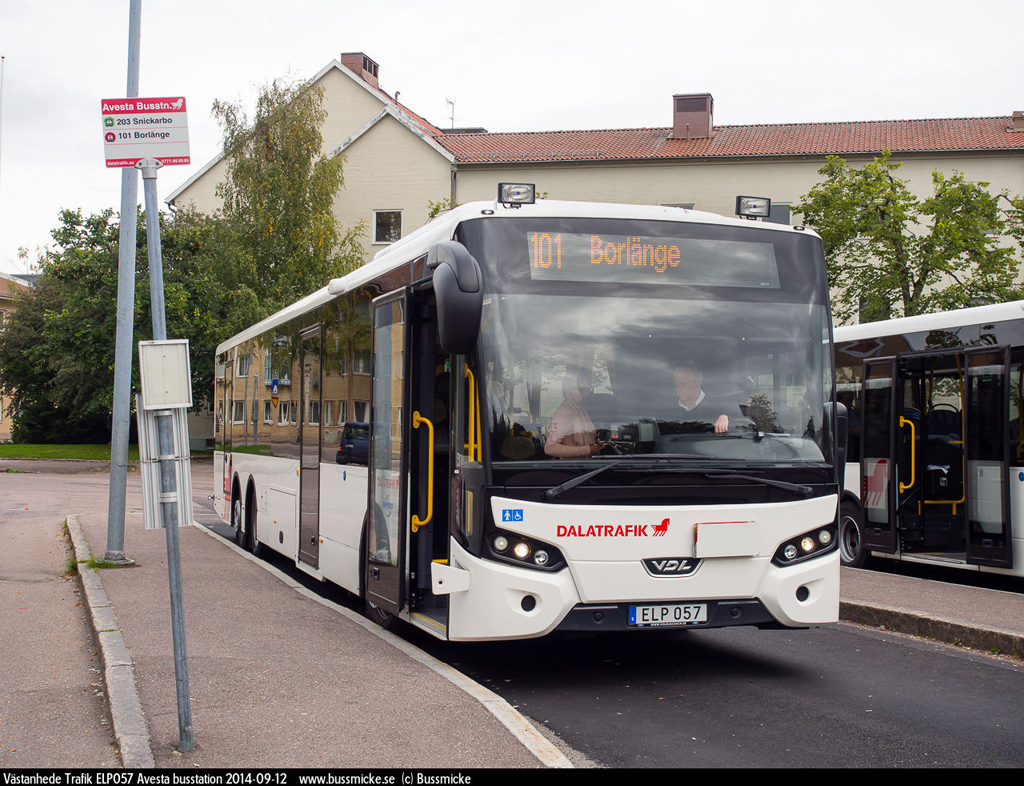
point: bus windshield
(729, 362)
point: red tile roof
(8, 286)
(794, 139)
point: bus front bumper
(507, 602)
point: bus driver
(694, 402)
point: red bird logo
(661, 529)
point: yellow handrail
(913, 453)
(417, 419)
(474, 428)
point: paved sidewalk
(278, 676)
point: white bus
(936, 471)
(530, 466)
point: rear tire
(236, 519)
(851, 536)
(252, 526)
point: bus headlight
(526, 552)
(806, 546)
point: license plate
(668, 614)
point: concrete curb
(130, 728)
(996, 640)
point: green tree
(281, 235)
(57, 351)
(890, 254)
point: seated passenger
(572, 433)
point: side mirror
(458, 287)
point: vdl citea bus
(936, 471)
(538, 459)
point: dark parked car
(355, 443)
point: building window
(238, 412)
(387, 226)
(361, 361)
(267, 413)
(242, 368)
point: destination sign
(624, 259)
(139, 128)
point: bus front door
(409, 462)
(952, 495)
(430, 405)
(988, 458)
(385, 538)
(878, 455)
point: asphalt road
(838, 696)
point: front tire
(385, 619)
(852, 552)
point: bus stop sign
(139, 128)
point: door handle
(418, 419)
(913, 453)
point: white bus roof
(978, 315)
(417, 243)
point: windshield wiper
(796, 488)
(572, 483)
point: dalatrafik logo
(612, 530)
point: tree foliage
(281, 235)
(891, 254)
(275, 240)
(57, 350)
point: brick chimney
(691, 116)
(361, 66)
(1018, 121)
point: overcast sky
(522, 65)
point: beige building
(9, 285)
(397, 162)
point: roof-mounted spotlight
(753, 207)
(516, 194)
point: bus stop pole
(168, 483)
(120, 426)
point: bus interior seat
(944, 424)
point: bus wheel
(851, 544)
(385, 619)
(254, 545)
(236, 520)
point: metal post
(168, 481)
(125, 318)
